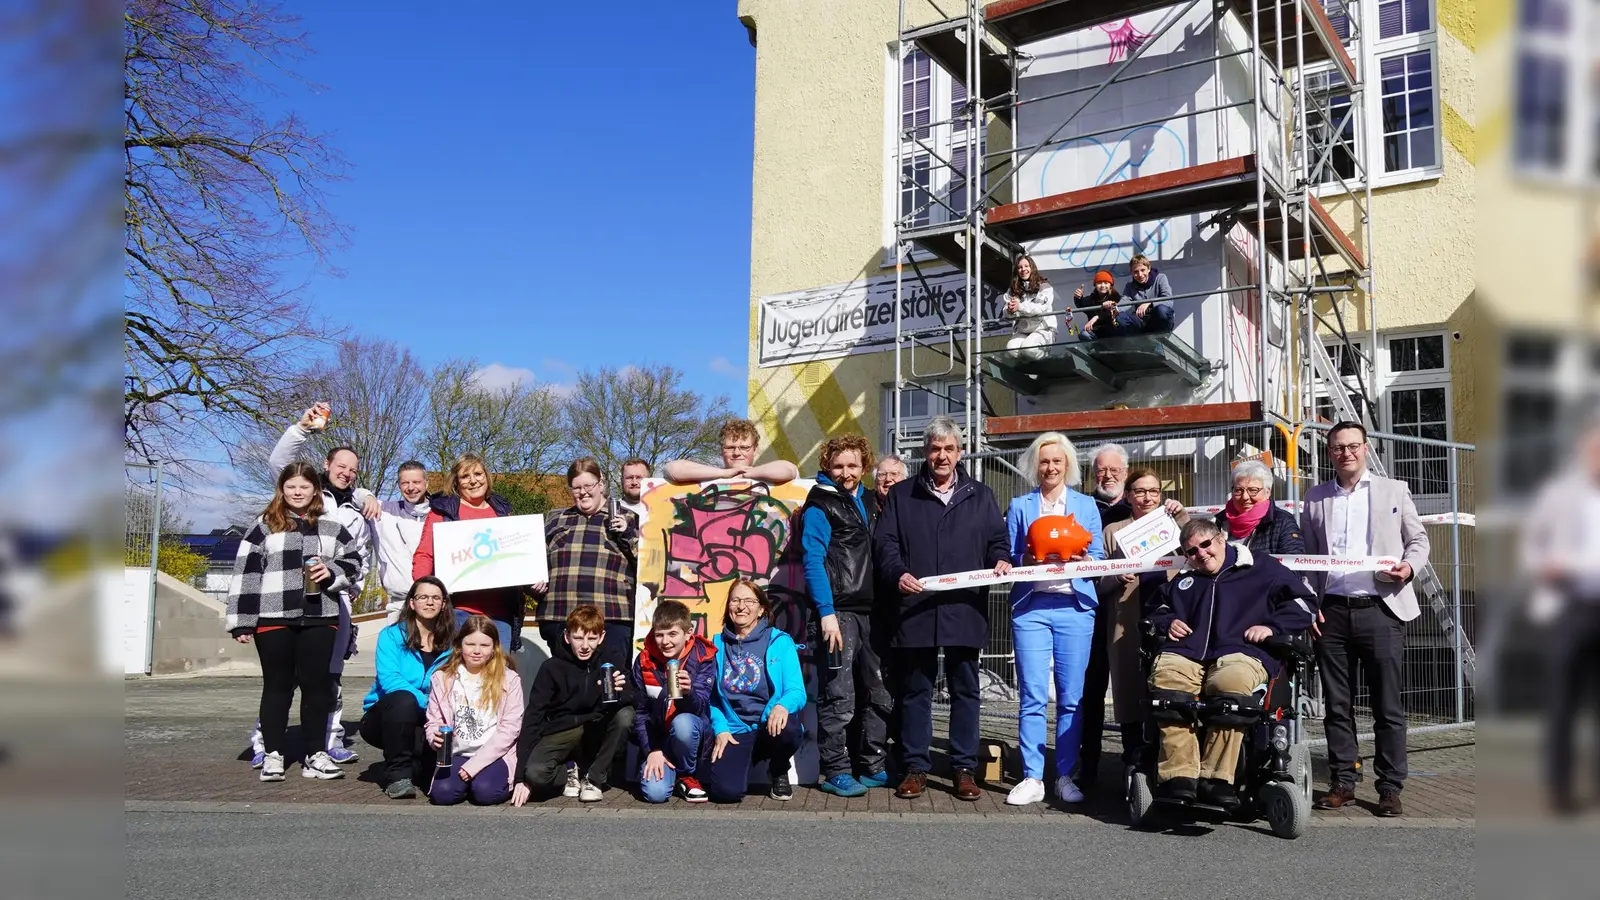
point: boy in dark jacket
(1147, 285)
(568, 717)
(1215, 615)
(837, 542)
(670, 732)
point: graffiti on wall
(1124, 158)
(698, 539)
(1126, 39)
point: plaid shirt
(588, 565)
(268, 582)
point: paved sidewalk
(185, 736)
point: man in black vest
(836, 540)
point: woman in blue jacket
(1052, 622)
(759, 694)
(409, 651)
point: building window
(933, 143)
(917, 409)
(1330, 124)
(1397, 18)
(1410, 121)
(1422, 413)
(1416, 354)
(1541, 134)
(1555, 89)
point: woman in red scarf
(1252, 519)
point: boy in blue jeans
(669, 732)
(1145, 288)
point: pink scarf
(1242, 522)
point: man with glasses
(1215, 614)
(1363, 614)
(740, 446)
(592, 558)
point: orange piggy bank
(1057, 538)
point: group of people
(1138, 309)
(449, 710)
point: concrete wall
(189, 634)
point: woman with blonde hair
(470, 498)
(1052, 622)
(478, 696)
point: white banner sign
(490, 553)
(1152, 536)
(858, 317)
(1096, 568)
(1465, 519)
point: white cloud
(721, 366)
(495, 376)
(558, 365)
(561, 390)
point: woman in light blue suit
(1052, 622)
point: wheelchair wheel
(1287, 807)
(1141, 800)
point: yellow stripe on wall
(827, 401)
(1460, 18)
(1460, 134)
(765, 416)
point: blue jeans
(503, 627)
(489, 787)
(1051, 632)
(917, 668)
(682, 748)
(1157, 320)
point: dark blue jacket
(1277, 534)
(1248, 590)
(918, 533)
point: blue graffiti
(1098, 249)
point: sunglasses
(1194, 551)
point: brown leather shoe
(914, 785)
(1389, 805)
(967, 785)
(1335, 798)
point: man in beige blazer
(1363, 614)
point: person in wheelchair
(1215, 616)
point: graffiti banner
(698, 539)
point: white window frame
(943, 140)
(1389, 380)
(1573, 48)
(937, 406)
(1368, 52)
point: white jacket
(1036, 313)
(396, 534)
(348, 515)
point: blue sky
(545, 186)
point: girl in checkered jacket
(284, 597)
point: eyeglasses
(1346, 449)
(1100, 473)
(1252, 493)
(1146, 492)
(743, 601)
(585, 490)
(1194, 551)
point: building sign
(859, 317)
(477, 554)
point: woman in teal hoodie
(759, 693)
(409, 652)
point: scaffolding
(1307, 281)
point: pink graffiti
(1125, 39)
(722, 534)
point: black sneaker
(1179, 789)
(1216, 792)
(781, 788)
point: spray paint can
(446, 750)
(833, 657)
(608, 683)
(674, 692)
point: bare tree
(378, 394)
(218, 199)
(516, 428)
(644, 412)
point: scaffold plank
(1126, 419)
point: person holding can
(755, 712)
(580, 711)
(836, 540)
(592, 557)
(672, 684)
(474, 704)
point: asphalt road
(486, 853)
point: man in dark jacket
(1215, 615)
(939, 523)
(568, 718)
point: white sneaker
(272, 767)
(1068, 792)
(589, 792)
(319, 765)
(574, 786)
(1028, 790)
